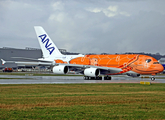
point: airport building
(10, 54)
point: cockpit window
(156, 63)
(148, 60)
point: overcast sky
(86, 26)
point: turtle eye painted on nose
(148, 60)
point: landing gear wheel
(86, 78)
(107, 77)
(152, 78)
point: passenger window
(148, 60)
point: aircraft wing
(110, 70)
(74, 67)
(103, 70)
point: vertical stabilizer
(49, 49)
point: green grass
(82, 101)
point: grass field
(82, 101)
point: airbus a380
(91, 66)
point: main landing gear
(97, 78)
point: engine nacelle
(61, 69)
(133, 74)
(92, 72)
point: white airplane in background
(92, 66)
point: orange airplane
(92, 66)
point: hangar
(8, 54)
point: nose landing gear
(152, 78)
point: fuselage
(140, 64)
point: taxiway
(14, 79)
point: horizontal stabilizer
(32, 59)
(36, 63)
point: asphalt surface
(29, 79)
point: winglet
(3, 61)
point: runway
(28, 79)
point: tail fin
(3, 61)
(49, 49)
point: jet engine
(133, 74)
(61, 69)
(92, 72)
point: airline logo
(47, 43)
